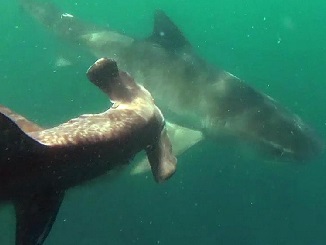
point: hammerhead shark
(200, 101)
(38, 165)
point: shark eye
(149, 148)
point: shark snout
(117, 84)
(300, 144)
(307, 146)
(102, 71)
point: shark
(200, 101)
(38, 165)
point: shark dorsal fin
(14, 134)
(24, 124)
(166, 33)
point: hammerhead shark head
(38, 165)
(199, 100)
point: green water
(218, 195)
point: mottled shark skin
(190, 92)
(38, 165)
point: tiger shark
(200, 100)
(38, 165)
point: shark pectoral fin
(181, 139)
(161, 159)
(35, 216)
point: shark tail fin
(45, 12)
(60, 23)
(14, 136)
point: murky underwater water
(219, 195)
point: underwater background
(219, 195)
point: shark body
(38, 165)
(191, 93)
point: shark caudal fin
(67, 26)
(60, 23)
